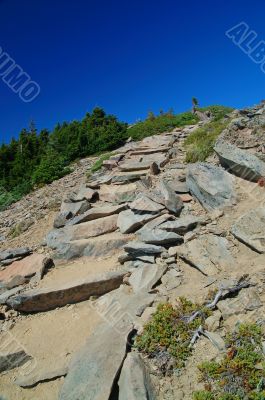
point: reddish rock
(30, 266)
(186, 198)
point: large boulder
(210, 254)
(240, 162)
(211, 185)
(250, 229)
(134, 382)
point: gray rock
(240, 162)
(85, 230)
(169, 198)
(159, 237)
(145, 204)
(100, 246)
(96, 213)
(127, 178)
(211, 185)
(118, 194)
(14, 253)
(41, 376)
(134, 382)
(79, 207)
(62, 219)
(50, 298)
(93, 370)
(247, 300)
(84, 193)
(141, 249)
(250, 229)
(13, 360)
(129, 221)
(8, 293)
(181, 225)
(144, 278)
(209, 254)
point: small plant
(200, 143)
(241, 374)
(98, 164)
(166, 338)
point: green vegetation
(35, 159)
(169, 333)
(241, 373)
(98, 164)
(199, 145)
(218, 112)
(161, 123)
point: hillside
(140, 274)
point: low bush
(241, 373)
(199, 144)
(166, 338)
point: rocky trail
(78, 283)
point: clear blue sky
(126, 56)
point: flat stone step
(149, 151)
(50, 298)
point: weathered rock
(145, 204)
(73, 292)
(129, 222)
(160, 237)
(156, 222)
(141, 249)
(181, 225)
(8, 293)
(62, 219)
(240, 162)
(169, 198)
(250, 229)
(85, 230)
(128, 257)
(95, 367)
(211, 185)
(96, 213)
(247, 300)
(14, 253)
(179, 187)
(144, 278)
(13, 360)
(134, 382)
(209, 254)
(33, 265)
(127, 178)
(118, 194)
(41, 376)
(73, 209)
(84, 193)
(100, 246)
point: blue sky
(126, 56)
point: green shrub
(199, 144)
(98, 164)
(241, 373)
(170, 333)
(160, 124)
(218, 112)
